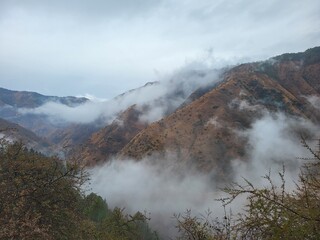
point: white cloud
(154, 99)
(92, 98)
(243, 104)
(315, 101)
(85, 113)
(274, 141)
(156, 186)
(153, 114)
(166, 186)
(214, 121)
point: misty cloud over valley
(136, 145)
(164, 186)
(161, 98)
(167, 102)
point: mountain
(108, 141)
(204, 132)
(194, 117)
(14, 132)
(24, 99)
(202, 128)
(139, 107)
(48, 136)
(11, 103)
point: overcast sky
(105, 47)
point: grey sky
(74, 47)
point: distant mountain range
(198, 124)
(23, 99)
(14, 132)
(33, 129)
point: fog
(166, 186)
(274, 142)
(156, 98)
(158, 186)
(107, 47)
(315, 101)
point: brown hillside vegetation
(15, 132)
(24, 99)
(108, 141)
(204, 132)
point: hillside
(204, 132)
(11, 103)
(195, 118)
(15, 132)
(24, 99)
(108, 141)
(139, 107)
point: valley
(185, 137)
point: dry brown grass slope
(204, 132)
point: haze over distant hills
(211, 126)
(171, 145)
(202, 117)
(24, 99)
(14, 132)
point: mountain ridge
(189, 133)
(27, 99)
(14, 132)
(197, 124)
